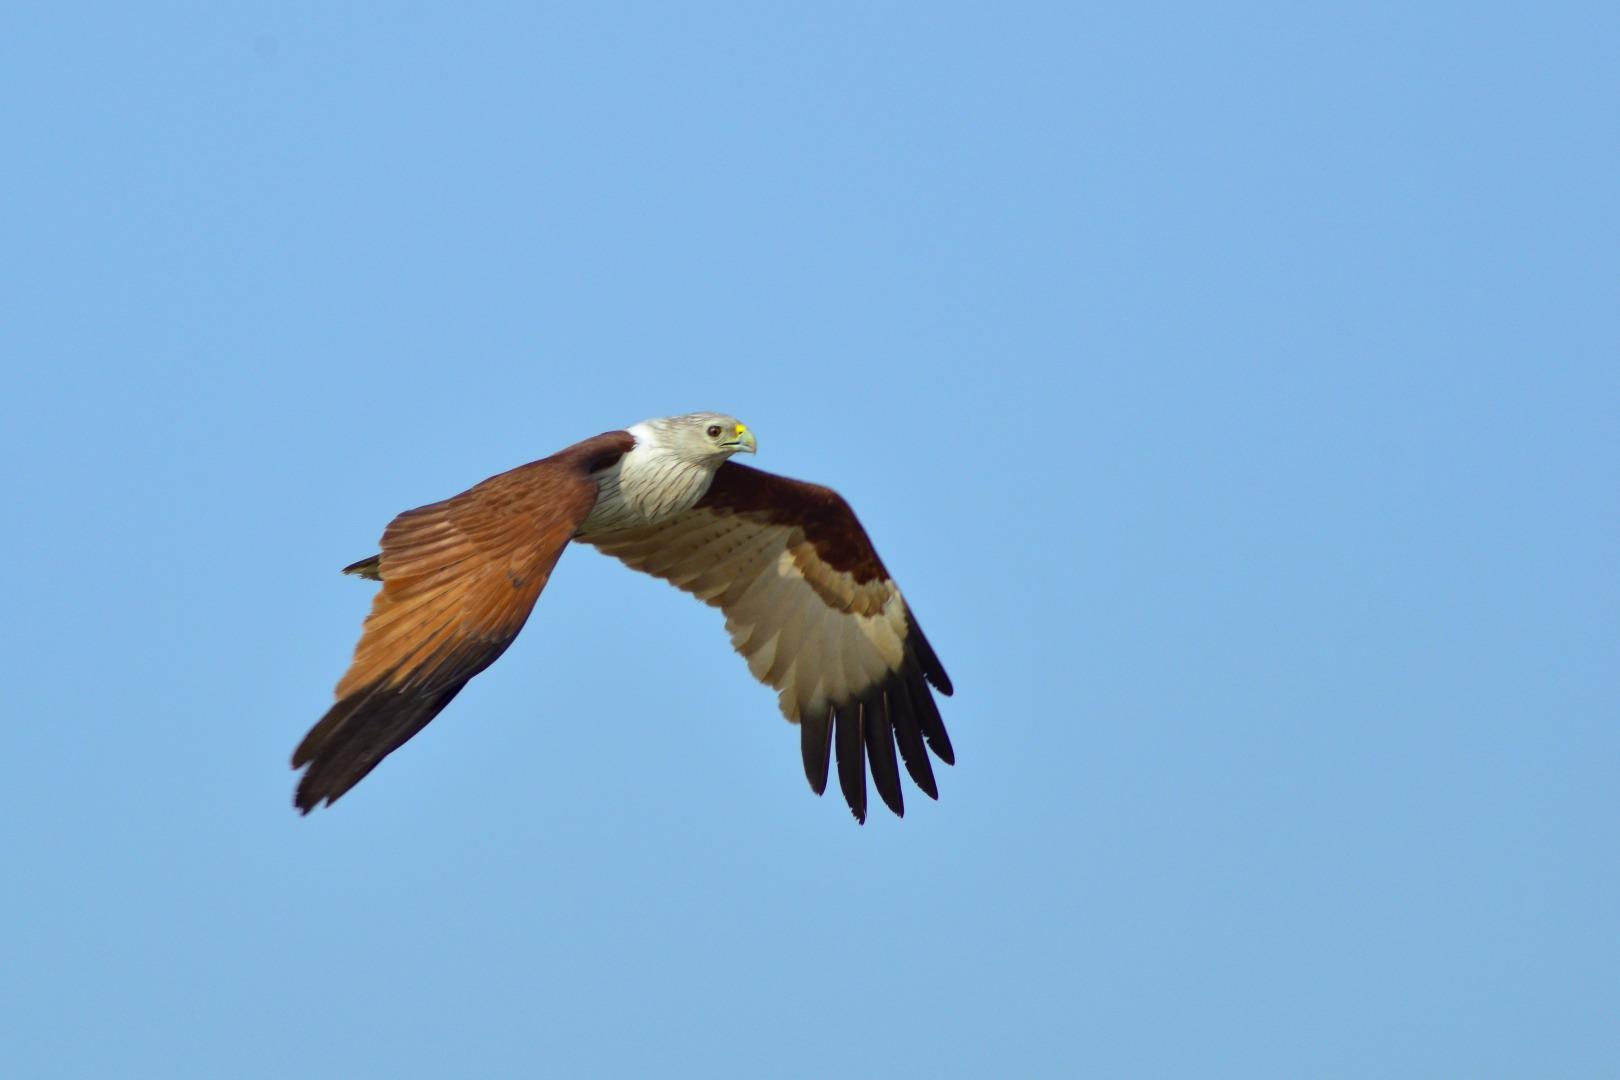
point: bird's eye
(714, 431)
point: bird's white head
(702, 438)
(669, 468)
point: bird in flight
(807, 601)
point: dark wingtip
(850, 747)
(933, 726)
(306, 798)
(896, 714)
(880, 757)
(356, 734)
(318, 788)
(815, 746)
(305, 752)
(940, 744)
(302, 802)
(927, 659)
(908, 735)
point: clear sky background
(1232, 388)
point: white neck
(649, 484)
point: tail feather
(367, 568)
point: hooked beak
(744, 440)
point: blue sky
(1232, 389)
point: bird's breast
(644, 491)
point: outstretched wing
(459, 579)
(809, 604)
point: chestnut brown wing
(459, 580)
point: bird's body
(806, 599)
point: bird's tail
(367, 568)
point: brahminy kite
(807, 601)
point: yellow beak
(744, 440)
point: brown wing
(809, 604)
(459, 579)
